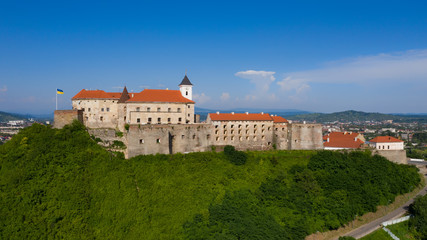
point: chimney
(303, 122)
(217, 113)
(355, 139)
(247, 113)
(167, 88)
(262, 113)
(328, 139)
(232, 113)
(132, 94)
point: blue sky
(322, 56)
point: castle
(164, 121)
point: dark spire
(125, 96)
(185, 81)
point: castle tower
(186, 88)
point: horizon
(317, 57)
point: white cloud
(201, 98)
(3, 89)
(225, 96)
(261, 79)
(382, 68)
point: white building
(386, 143)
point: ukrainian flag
(59, 91)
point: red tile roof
(279, 119)
(96, 94)
(342, 140)
(385, 139)
(159, 95)
(240, 117)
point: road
(376, 224)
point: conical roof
(125, 96)
(185, 81)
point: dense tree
(62, 184)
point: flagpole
(56, 100)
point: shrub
(127, 127)
(119, 134)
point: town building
(343, 140)
(386, 143)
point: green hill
(5, 117)
(351, 116)
(61, 184)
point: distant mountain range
(5, 117)
(351, 115)
(346, 116)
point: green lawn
(379, 234)
(401, 230)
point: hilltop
(351, 116)
(61, 184)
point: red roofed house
(151, 106)
(343, 140)
(386, 143)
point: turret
(186, 88)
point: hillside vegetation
(5, 117)
(351, 115)
(61, 184)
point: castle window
(217, 139)
(108, 109)
(232, 131)
(232, 126)
(240, 131)
(141, 141)
(179, 119)
(225, 131)
(179, 109)
(224, 126)
(255, 126)
(159, 120)
(169, 109)
(158, 109)
(189, 106)
(240, 138)
(137, 109)
(194, 136)
(263, 131)
(169, 120)
(148, 109)
(225, 138)
(247, 138)
(88, 109)
(269, 128)
(240, 126)
(158, 140)
(216, 126)
(232, 138)
(263, 137)
(186, 93)
(247, 131)
(138, 120)
(269, 143)
(254, 138)
(101, 118)
(277, 129)
(102, 109)
(247, 125)
(188, 115)
(182, 136)
(216, 132)
(262, 125)
(254, 131)
(208, 136)
(388, 147)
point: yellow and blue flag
(59, 91)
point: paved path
(376, 224)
